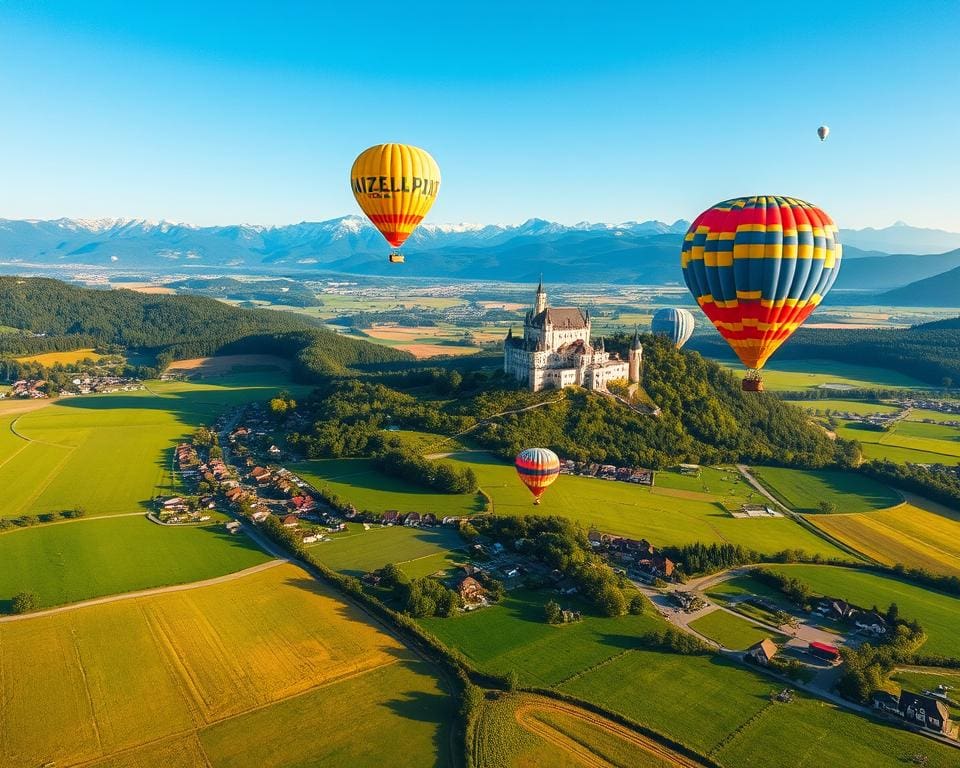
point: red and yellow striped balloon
(538, 468)
(758, 267)
(395, 185)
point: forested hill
(930, 352)
(169, 327)
(941, 290)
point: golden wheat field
(906, 533)
(65, 358)
(136, 681)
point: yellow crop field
(64, 358)
(199, 657)
(906, 534)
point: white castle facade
(556, 352)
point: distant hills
(632, 252)
(942, 290)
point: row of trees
(419, 597)
(939, 486)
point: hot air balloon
(823, 131)
(395, 185)
(538, 468)
(675, 324)
(758, 266)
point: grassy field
(366, 488)
(663, 515)
(935, 611)
(732, 631)
(795, 375)
(111, 453)
(919, 414)
(358, 551)
(514, 635)
(928, 431)
(859, 407)
(802, 490)
(527, 731)
(899, 447)
(235, 663)
(64, 358)
(907, 533)
(69, 562)
(724, 711)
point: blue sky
(219, 113)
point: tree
(827, 507)
(893, 614)
(636, 604)
(24, 602)
(553, 612)
(611, 601)
(513, 680)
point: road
(146, 592)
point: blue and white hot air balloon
(675, 324)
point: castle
(555, 351)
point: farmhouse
(470, 590)
(291, 521)
(925, 711)
(763, 652)
(233, 527)
(871, 622)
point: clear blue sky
(218, 113)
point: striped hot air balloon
(395, 185)
(538, 468)
(675, 324)
(758, 266)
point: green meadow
(111, 453)
(663, 515)
(358, 551)
(731, 631)
(68, 562)
(795, 375)
(902, 443)
(937, 612)
(802, 490)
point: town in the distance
(650, 460)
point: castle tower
(635, 358)
(540, 303)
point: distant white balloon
(823, 131)
(675, 324)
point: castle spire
(636, 338)
(540, 303)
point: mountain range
(635, 252)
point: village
(37, 389)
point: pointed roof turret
(509, 333)
(635, 344)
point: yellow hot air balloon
(395, 185)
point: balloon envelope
(675, 324)
(823, 131)
(395, 185)
(537, 468)
(758, 267)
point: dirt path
(145, 592)
(526, 718)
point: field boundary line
(51, 476)
(146, 592)
(86, 689)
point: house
(291, 521)
(273, 450)
(824, 651)
(886, 702)
(390, 517)
(429, 519)
(259, 515)
(310, 538)
(763, 651)
(233, 527)
(258, 473)
(470, 590)
(690, 469)
(925, 711)
(838, 610)
(662, 566)
(594, 537)
(173, 503)
(412, 519)
(871, 622)
(303, 503)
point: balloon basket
(536, 502)
(752, 385)
(395, 258)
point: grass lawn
(514, 636)
(665, 516)
(366, 488)
(900, 448)
(724, 710)
(731, 631)
(795, 375)
(268, 649)
(907, 533)
(928, 431)
(802, 490)
(358, 551)
(859, 407)
(69, 562)
(938, 613)
(111, 453)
